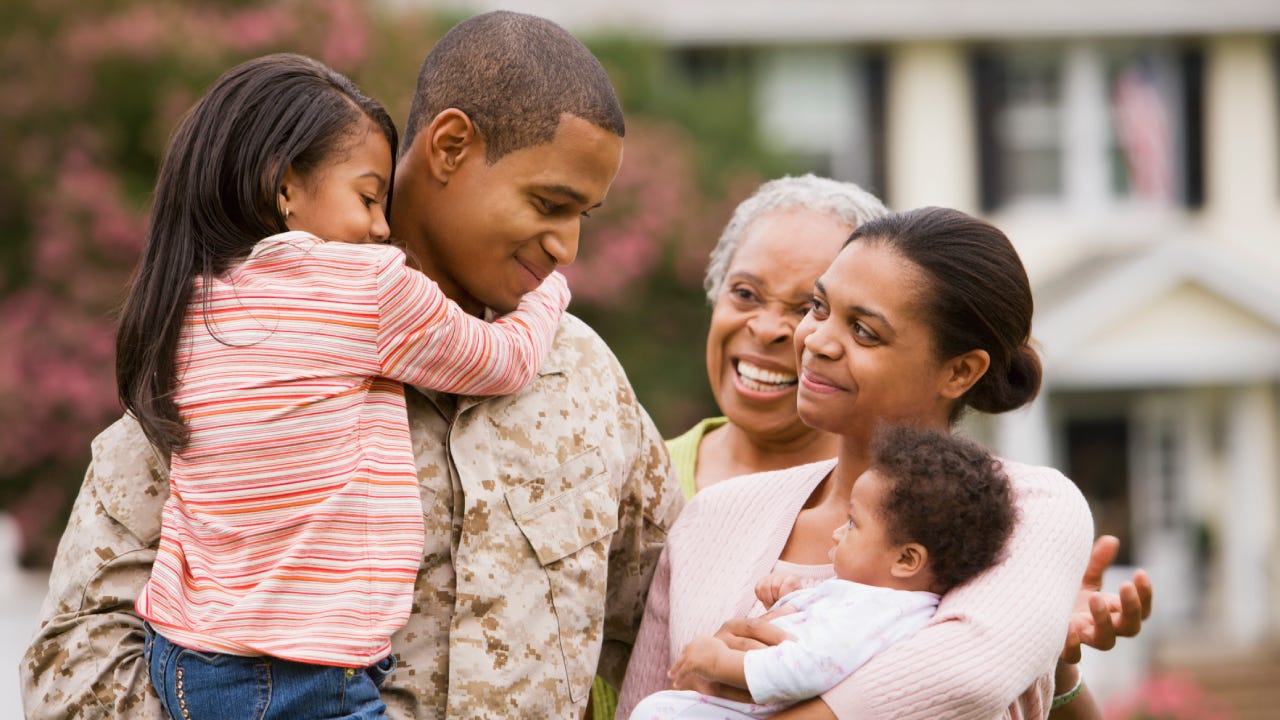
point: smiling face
(867, 354)
(343, 200)
(751, 359)
(489, 233)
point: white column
(1086, 173)
(1242, 187)
(1025, 435)
(1248, 530)
(932, 154)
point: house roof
(1171, 313)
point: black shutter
(877, 96)
(985, 71)
(1191, 61)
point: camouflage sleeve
(85, 660)
(650, 501)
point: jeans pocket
(211, 685)
(158, 651)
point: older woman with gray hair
(759, 283)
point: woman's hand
(1099, 618)
(750, 633)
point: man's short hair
(514, 75)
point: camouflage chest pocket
(568, 516)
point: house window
(1155, 107)
(1028, 127)
(1089, 126)
(824, 105)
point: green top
(684, 452)
(684, 457)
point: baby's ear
(912, 558)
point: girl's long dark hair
(215, 198)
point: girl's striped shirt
(294, 522)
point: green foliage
(706, 92)
(93, 90)
(692, 153)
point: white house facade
(1132, 152)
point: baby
(931, 512)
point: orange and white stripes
(294, 524)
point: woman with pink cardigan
(921, 316)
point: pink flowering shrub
(647, 210)
(1166, 696)
(91, 92)
(641, 258)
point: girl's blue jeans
(195, 685)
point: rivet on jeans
(182, 697)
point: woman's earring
(286, 214)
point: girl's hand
(1099, 618)
(773, 586)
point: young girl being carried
(262, 347)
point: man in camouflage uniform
(545, 511)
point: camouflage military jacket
(544, 511)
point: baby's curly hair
(948, 494)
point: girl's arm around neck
(426, 340)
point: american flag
(1142, 126)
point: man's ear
(912, 558)
(452, 139)
(962, 371)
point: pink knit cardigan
(989, 652)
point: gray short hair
(843, 201)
